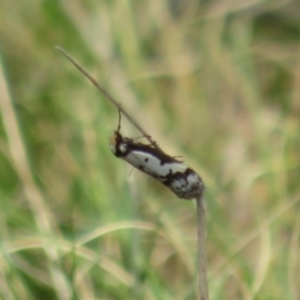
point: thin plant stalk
(201, 227)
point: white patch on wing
(178, 184)
(152, 165)
(123, 148)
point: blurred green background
(217, 82)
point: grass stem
(202, 274)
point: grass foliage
(215, 81)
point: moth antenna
(108, 96)
(119, 125)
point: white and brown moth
(150, 159)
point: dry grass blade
(201, 224)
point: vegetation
(217, 82)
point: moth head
(117, 144)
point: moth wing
(153, 165)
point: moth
(174, 174)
